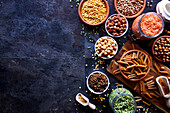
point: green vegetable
(124, 104)
(81, 33)
(85, 34)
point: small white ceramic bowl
(127, 26)
(161, 9)
(106, 57)
(92, 89)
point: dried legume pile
(93, 11)
(116, 25)
(98, 82)
(129, 7)
(162, 49)
(106, 47)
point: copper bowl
(153, 48)
(133, 16)
(134, 50)
(107, 14)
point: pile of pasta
(134, 64)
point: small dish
(133, 16)
(136, 65)
(167, 7)
(80, 97)
(162, 9)
(81, 17)
(116, 24)
(160, 55)
(163, 85)
(109, 40)
(87, 82)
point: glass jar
(117, 94)
(136, 27)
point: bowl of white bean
(106, 47)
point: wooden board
(158, 102)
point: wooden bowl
(107, 14)
(153, 49)
(130, 51)
(144, 4)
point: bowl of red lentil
(130, 8)
(93, 12)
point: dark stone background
(41, 57)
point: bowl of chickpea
(106, 47)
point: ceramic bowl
(133, 16)
(127, 26)
(153, 49)
(130, 51)
(79, 12)
(91, 88)
(115, 51)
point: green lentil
(85, 34)
(81, 33)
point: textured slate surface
(41, 63)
